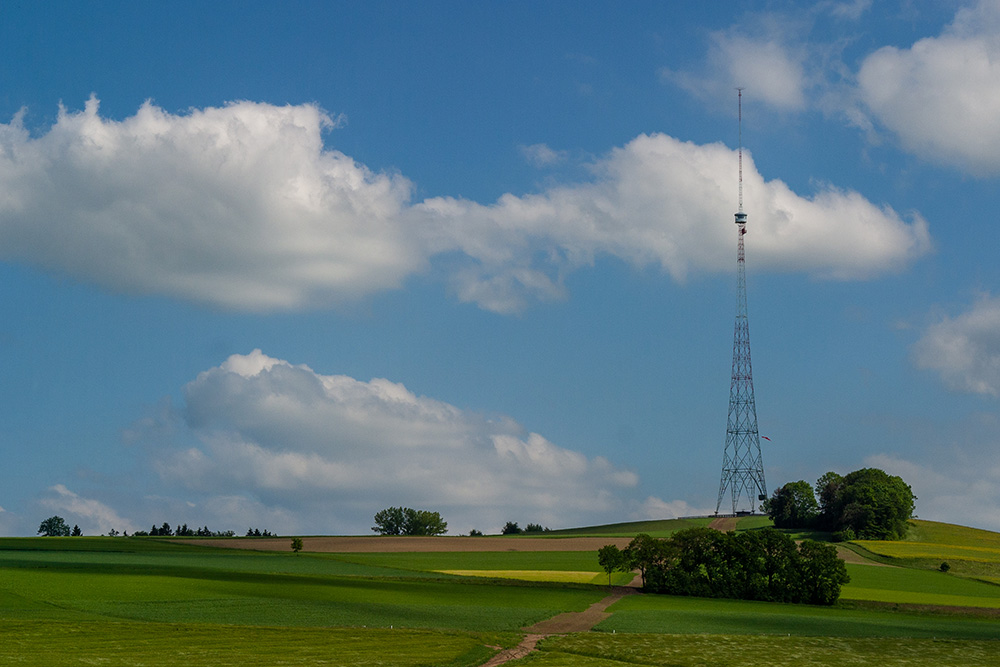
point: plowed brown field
(376, 544)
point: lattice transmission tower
(742, 466)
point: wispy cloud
(541, 155)
(961, 485)
(95, 516)
(965, 350)
(769, 68)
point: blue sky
(284, 265)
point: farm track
(579, 621)
(724, 524)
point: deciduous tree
(611, 559)
(54, 526)
(408, 521)
(793, 506)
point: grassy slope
(120, 601)
(631, 528)
(265, 589)
(969, 552)
(662, 528)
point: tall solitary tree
(408, 521)
(611, 559)
(54, 526)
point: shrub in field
(754, 565)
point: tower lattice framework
(742, 465)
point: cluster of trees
(866, 504)
(408, 521)
(165, 530)
(752, 565)
(511, 528)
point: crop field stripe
(573, 561)
(55, 644)
(931, 550)
(721, 650)
(681, 615)
(552, 576)
(902, 597)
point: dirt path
(724, 524)
(849, 556)
(574, 621)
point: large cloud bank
(243, 207)
(323, 453)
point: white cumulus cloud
(941, 95)
(239, 207)
(668, 203)
(328, 451)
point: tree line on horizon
(56, 526)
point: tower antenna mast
(740, 133)
(742, 467)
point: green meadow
(117, 601)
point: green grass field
(727, 650)
(664, 614)
(115, 601)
